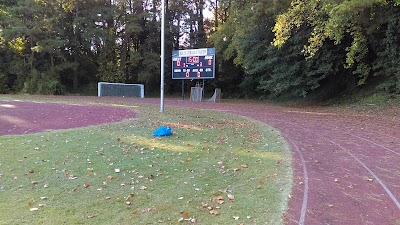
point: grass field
(216, 169)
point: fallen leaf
(337, 180)
(220, 198)
(220, 202)
(222, 190)
(147, 210)
(245, 166)
(143, 188)
(231, 196)
(86, 185)
(214, 212)
(236, 217)
(129, 197)
(186, 214)
(72, 177)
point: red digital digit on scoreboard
(193, 59)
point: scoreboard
(193, 63)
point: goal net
(196, 94)
(217, 95)
(120, 89)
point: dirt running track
(346, 163)
(18, 117)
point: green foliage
(150, 70)
(3, 83)
(41, 83)
(332, 20)
(109, 72)
(387, 63)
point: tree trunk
(124, 47)
(201, 34)
(216, 15)
(75, 81)
(32, 54)
(62, 17)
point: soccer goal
(217, 95)
(120, 89)
(196, 94)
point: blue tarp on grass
(163, 131)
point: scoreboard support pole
(204, 87)
(183, 89)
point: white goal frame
(100, 92)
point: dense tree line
(60, 46)
(264, 47)
(298, 47)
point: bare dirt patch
(20, 117)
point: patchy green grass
(216, 169)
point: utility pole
(162, 55)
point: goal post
(196, 94)
(120, 89)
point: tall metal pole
(162, 54)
